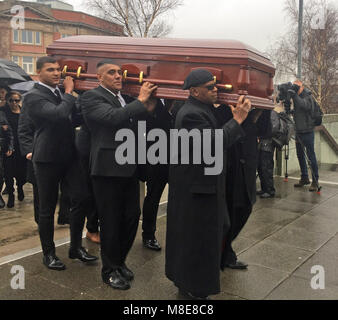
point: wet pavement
(284, 238)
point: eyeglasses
(209, 87)
(14, 100)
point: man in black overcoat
(54, 159)
(241, 178)
(197, 213)
(115, 185)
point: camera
(284, 95)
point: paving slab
(37, 288)
(324, 259)
(255, 283)
(300, 238)
(316, 224)
(295, 288)
(275, 256)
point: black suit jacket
(26, 131)
(104, 116)
(54, 132)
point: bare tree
(319, 53)
(141, 18)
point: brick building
(45, 23)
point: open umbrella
(16, 68)
(22, 87)
(8, 76)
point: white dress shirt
(118, 96)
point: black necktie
(58, 96)
(117, 101)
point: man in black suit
(116, 186)
(54, 159)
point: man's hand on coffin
(242, 109)
(68, 84)
(146, 91)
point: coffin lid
(88, 45)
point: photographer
(302, 101)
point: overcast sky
(254, 22)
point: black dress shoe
(21, 194)
(81, 254)
(266, 195)
(126, 273)
(237, 265)
(189, 296)
(259, 192)
(117, 281)
(2, 203)
(151, 244)
(53, 262)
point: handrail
(328, 136)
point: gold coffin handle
(78, 73)
(64, 70)
(125, 73)
(141, 77)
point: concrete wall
(324, 151)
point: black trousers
(238, 218)
(15, 167)
(32, 179)
(118, 204)
(48, 177)
(91, 210)
(156, 182)
(265, 171)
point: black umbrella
(16, 68)
(8, 76)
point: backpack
(282, 128)
(316, 113)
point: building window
(16, 59)
(27, 36)
(37, 37)
(16, 36)
(27, 64)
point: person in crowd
(197, 215)
(156, 176)
(265, 165)
(54, 159)
(82, 141)
(3, 92)
(6, 149)
(305, 137)
(116, 186)
(241, 178)
(15, 165)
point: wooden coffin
(238, 69)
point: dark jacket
(26, 131)
(6, 136)
(242, 157)
(54, 132)
(197, 213)
(104, 116)
(302, 112)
